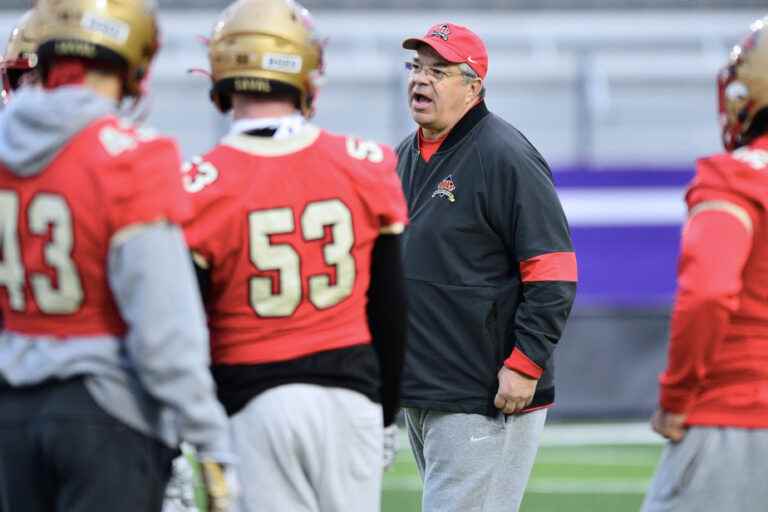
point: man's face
(437, 103)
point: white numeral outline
(365, 150)
(52, 210)
(280, 257)
(11, 264)
(333, 213)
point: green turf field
(595, 478)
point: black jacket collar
(462, 128)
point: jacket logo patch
(445, 189)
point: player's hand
(669, 425)
(220, 485)
(391, 442)
(180, 491)
(515, 391)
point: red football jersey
(57, 227)
(287, 228)
(718, 361)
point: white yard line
(599, 434)
(543, 486)
(634, 486)
(596, 461)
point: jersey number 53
(323, 293)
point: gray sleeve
(167, 339)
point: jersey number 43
(48, 215)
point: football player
(104, 351)
(714, 392)
(20, 59)
(296, 238)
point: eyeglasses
(435, 73)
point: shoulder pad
(120, 137)
(743, 172)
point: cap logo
(442, 32)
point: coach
(491, 276)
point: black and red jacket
(489, 266)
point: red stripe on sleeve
(555, 266)
(519, 362)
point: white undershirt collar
(284, 127)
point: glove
(180, 491)
(199, 484)
(219, 484)
(391, 444)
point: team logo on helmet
(442, 32)
(445, 189)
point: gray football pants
(473, 463)
(712, 470)
(308, 448)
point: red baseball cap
(455, 44)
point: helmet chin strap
(757, 127)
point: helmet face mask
(733, 97)
(743, 87)
(265, 47)
(119, 32)
(20, 58)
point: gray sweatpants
(307, 448)
(473, 463)
(712, 470)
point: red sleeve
(143, 185)
(392, 211)
(384, 192)
(716, 243)
(519, 362)
(553, 266)
(210, 230)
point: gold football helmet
(743, 87)
(265, 46)
(21, 52)
(122, 31)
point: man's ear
(474, 89)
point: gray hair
(469, 75)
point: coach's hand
(669, 425)
(515, 391)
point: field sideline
(579, 468)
